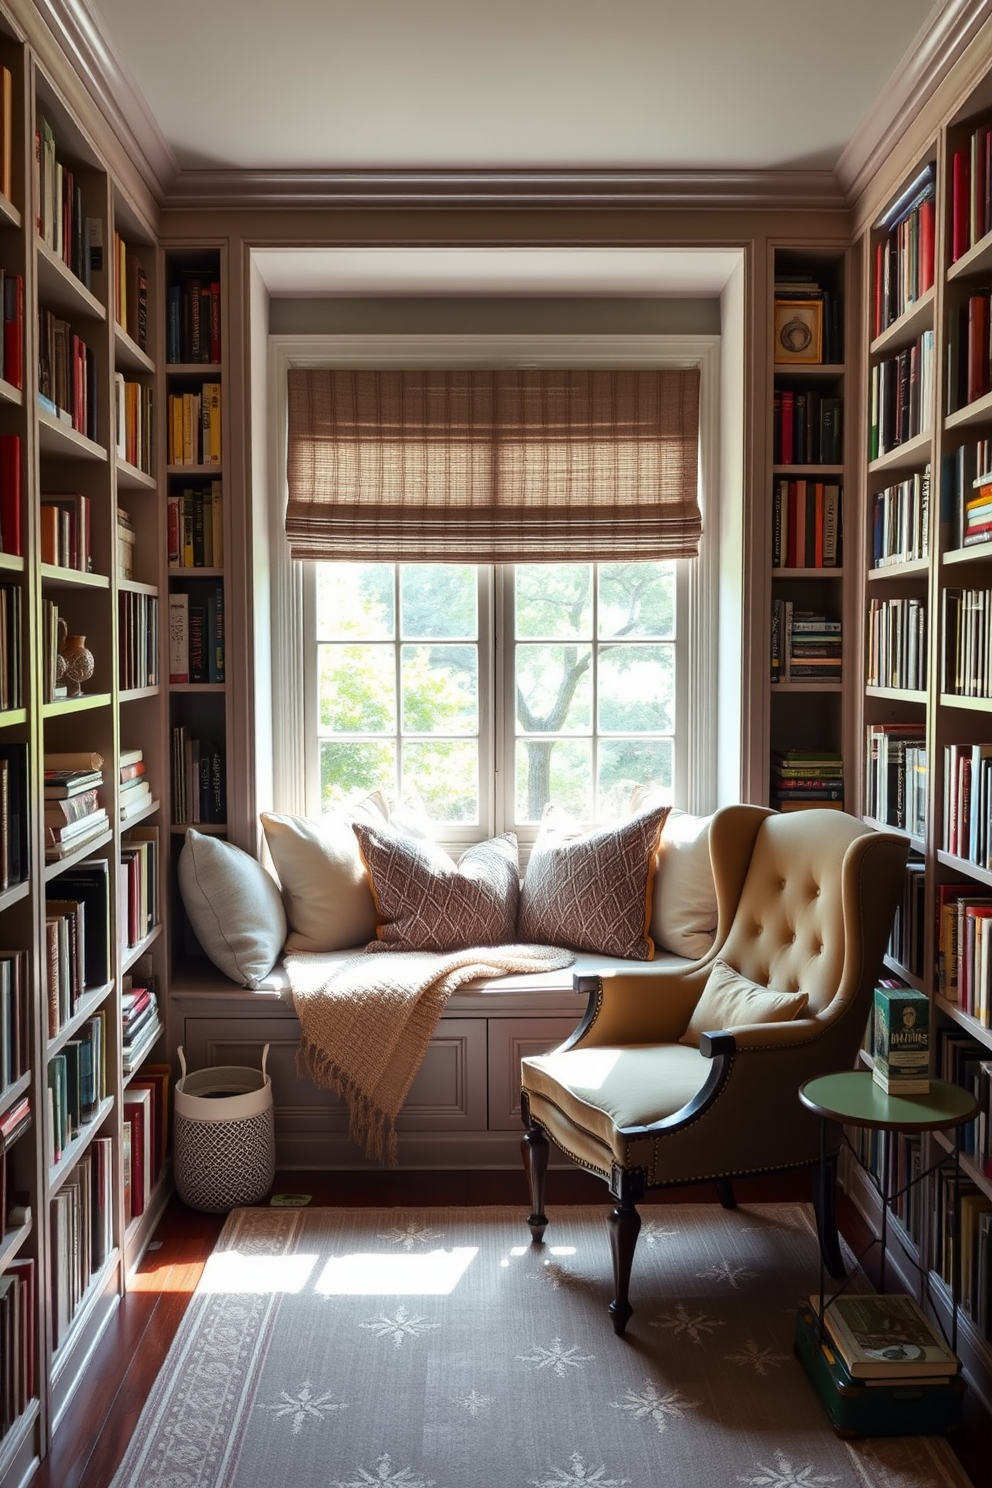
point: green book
(902, 1041)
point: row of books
(198, 783)
(904, 256)
(896, 775)
(909, 921)
(6, 133)
(77, 937)
(962, 956)
(126, 538)
(967, 653)
(192, 321)
(82, 1232)
(806, 427)
(138, 884)
(14, 859)
(959, 472)
(196, 634)
(909, 1199)
(14, 1017)
(10, 494)
(140, 1021)
(130, 293)
(967, 824)
(138, 648)
(901, 521)
(977, 517)
(974, 1209)
(145, 1135)
(971, 184)
(968, 351)
(11, 647)
(17, 1356)
(67, 375)
(901, 396)
(62, 223)
(194, 428)
(196, 526)
(77, 1084)
(806, 522)
(803, 778)
(134, 791)
(806, 644)
(135, 427)
(896, 644)
(12, 337)
(66, 532)
(52, 685)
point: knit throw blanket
(366, 1022)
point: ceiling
(509, 84)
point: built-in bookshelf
(806, 560)
(195, 547)
(83, 731)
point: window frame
(292, 612)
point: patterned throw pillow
(593, 892)
(425, 902)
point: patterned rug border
(207, 1388)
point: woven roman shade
(493, 467)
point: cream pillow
(730, 1000)
(592, 892)
(428, 903)
(233, 906)
(325, 888)
(684, 911)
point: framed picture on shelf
(799, 331)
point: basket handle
(182, 1060)
(265, 1055)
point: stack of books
(807, 645)
(73, 814)
(134, 791)
(885, 1339)
(803, 778)
(140, 1024)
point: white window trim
(695, 773)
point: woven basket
(224, 1142)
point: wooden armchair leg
(535, 1151)
(725, 1192)
(625, 1226)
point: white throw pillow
(684, 913)
(234, 907)
(325, 887)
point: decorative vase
(78, 664)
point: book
(901, 1052)
(885, 1337)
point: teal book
(902, 1041)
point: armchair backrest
(815, 908)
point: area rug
(438, 1348)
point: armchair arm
(637, 1007)
(718, 1047)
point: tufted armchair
(644, 1096)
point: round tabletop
(853, 1098)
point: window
(489, 692)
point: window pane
(554, 689)
(440, 689)
(356, 690)
(355, 599)
(558, 770)
(624, 763)
(637, 599)
(438, 600)
(637, 689)
(445, 775)
(553, 601)
(353, 769)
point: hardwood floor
(104, 1411)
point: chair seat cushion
(601, 1090)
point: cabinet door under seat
(510, 1040)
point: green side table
(852, 1098)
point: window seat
(463, 1110)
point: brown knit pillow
(593, 892)
(425, 902)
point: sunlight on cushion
(230, 1271)
(582, 1069)
(372, 1274)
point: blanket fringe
(369, 1127)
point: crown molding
(508, 190)
(102, 72)
(939, 45)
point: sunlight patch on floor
(230, 1271)
(374, 1274)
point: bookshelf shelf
(127, 822)
(12, 1243)
(14, 894)
(196, 573)
(10, 717)
(896, 694)
(911, 568)
(128, 354)
(130, 478)
(909, 977)
(136, 694)
(9, 215)
(66, 707)
(60, 289)
(980, 552)
(905, 456)
(977, 260)
(10, 394)
(59, 439)
(14, 1091)
(782, 688)
(59, 1172)
(91, 1001)
(193, 369)
(966, 704)
(214, 829)
(11, 563)
(904, 331)
(978, 412)
(18, 1438)
(179, 688)
(195, 472)
(72, 578)
(90, 849)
